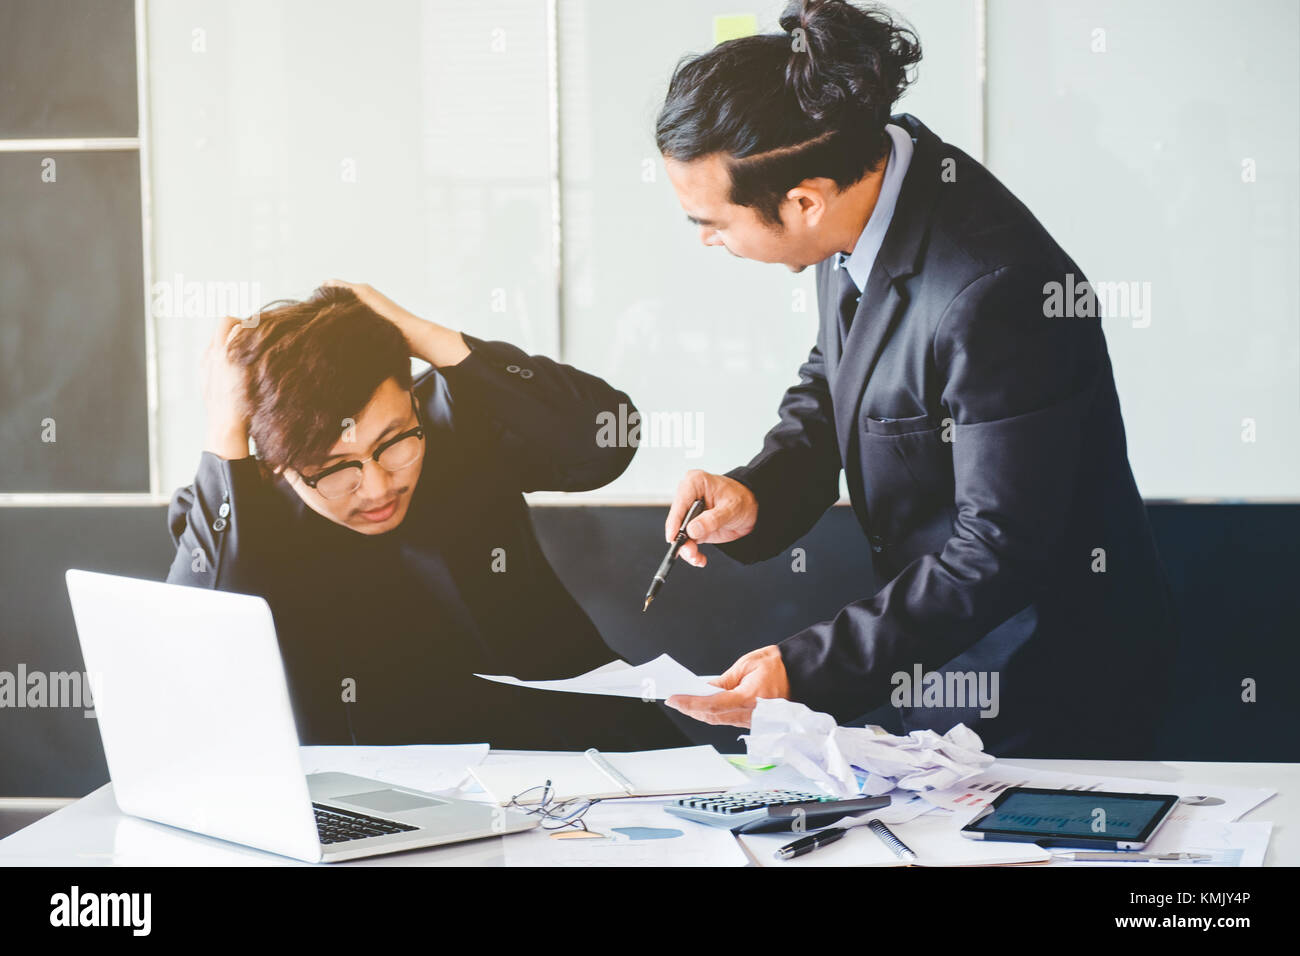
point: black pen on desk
(812, 841)
(809, 843)
(666, 564)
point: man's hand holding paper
(759, 674)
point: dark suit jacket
(986, 462)
(460, 587)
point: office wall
(1157, 141)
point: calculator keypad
(729, 803)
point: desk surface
(93, 832)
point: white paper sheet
(1203, 802)
(428, 767)
(658, 679)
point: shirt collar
(859, 263)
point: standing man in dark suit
(979, 429)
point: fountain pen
(666, 564)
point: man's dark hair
(309, 365)
(785, 107)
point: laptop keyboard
(339, 826)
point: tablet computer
(1083, 818)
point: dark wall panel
(55, 752)
(69, 69)
(1233, 569)
(72, 324)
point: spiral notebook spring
(896, 846)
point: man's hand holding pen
(728, 511)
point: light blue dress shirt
(859, 263)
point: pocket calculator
(771, 811)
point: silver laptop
(193, 708)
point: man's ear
(809, 199)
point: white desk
(92, 832)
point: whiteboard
(1131, 157)
(1129, 145)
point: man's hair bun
(846, 63)
(810, 102)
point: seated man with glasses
(382, 519)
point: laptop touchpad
(390, 800)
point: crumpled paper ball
(811, 744)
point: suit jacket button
(219, 524)
(224, 509)
(877, 543)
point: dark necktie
(848, 301)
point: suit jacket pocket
(896, 426)
(908, 479)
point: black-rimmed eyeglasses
(393, 454)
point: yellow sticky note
(729, 26)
